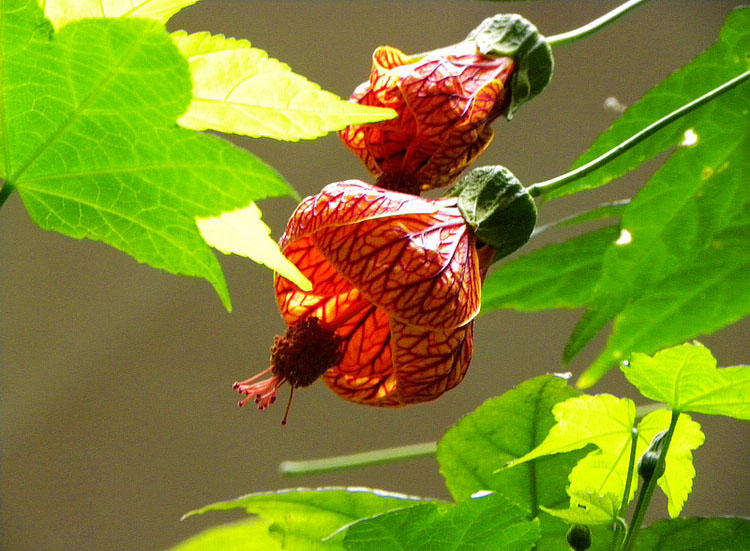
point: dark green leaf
(725, 59)
(696, 534)
(698, 299)
(303, 518)
(89, 140)
(561, 275)
(482, 524)
(604, 211)
(503, 429)
(673, 224)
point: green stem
(647, 491)
(5, 191)
(631, 468)
(552, 184)
(364, 459)
(595, 25)
(620, 530)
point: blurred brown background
(117, 409)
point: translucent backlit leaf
(242, 535)
(589, 508)
(607, 422)
(686, 378)
(677, 482)
(303, 519)
(65, 11)
(243, 232)
(484, 523)
(90, 141)
(238, 88)
(603, 420)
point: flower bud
(650, 458)
(445, 100)
(579, 537)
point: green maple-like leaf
(61, 12)
(238, 88)
(686, 378)
(484, 523)
(608, 422)
(503, 429)
(304, 519)
(89, 140)
(686, 220)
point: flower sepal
(497, 206)
(514, 36)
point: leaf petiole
(355, 460)
(538, 189)
(595, 25)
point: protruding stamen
(288, 406)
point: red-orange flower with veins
(396, 284)
(445, 102)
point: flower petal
(444, 101)
(329, 291)
(415, 261)
(351, 202)
(365, 373)
(426, 363)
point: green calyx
(495, 203)
(513, 36)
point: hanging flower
(445, 102)
(396, 284)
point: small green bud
(495, 203)
(650, 458)
(579, 537)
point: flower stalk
(597, 24)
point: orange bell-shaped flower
(396, 284)
(445, 102)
